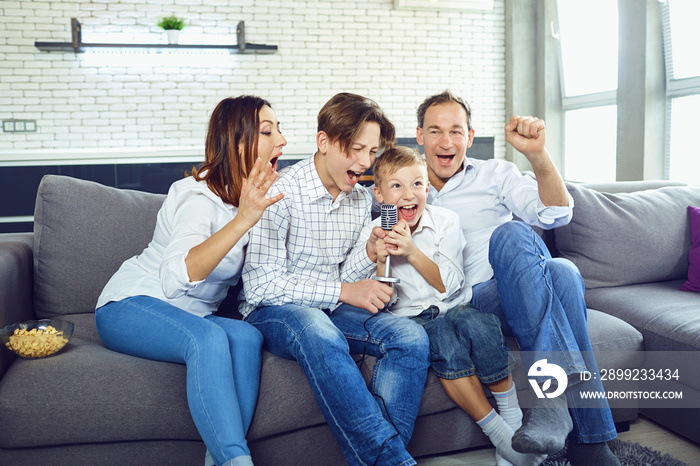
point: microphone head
(389, 216)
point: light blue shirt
(486, 194)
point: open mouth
(445, 159)
(408, 212)
(354, 176)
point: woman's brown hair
(234, 120)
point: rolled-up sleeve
(521, 195)
(191, 226)
(362, 242)
(358, 264)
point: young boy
(466, 345)
(304, 289)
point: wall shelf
(78, 46)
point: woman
(173, 288)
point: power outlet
(19, 126)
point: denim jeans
(539, 301)
(466, 341)
(222, 356)
(372, 424)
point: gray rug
(629, 454)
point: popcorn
(36, 343)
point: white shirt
(486, 194)
(439, 236)
(190, 214)
(304, 246)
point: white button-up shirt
(486, 194)
(305, 245)
(439, 236)
(190, 214)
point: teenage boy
(467, 347)
(304, 289)
(509, 270)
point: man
(539, 300)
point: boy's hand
(366, 294)
(399, 241)
(382, 253)
(376, 234)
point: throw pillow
(693, 283)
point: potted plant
(172, 26)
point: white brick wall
(396, 57)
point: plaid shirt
(305, 245)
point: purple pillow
(693, 283)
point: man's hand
(527, 135)
(366, 294)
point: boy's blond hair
(395, 158)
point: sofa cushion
(139, 399)
(668, 318)
(89, 394)
(83, 231)
(693, 283)
(628, 238)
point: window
(681, 36)
(588, 38)
(590, 145)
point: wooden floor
(642, 431)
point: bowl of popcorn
(37, 338)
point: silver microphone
(389, 218)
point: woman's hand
(202, 259)
(254, 200)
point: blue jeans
(466, 341)
(372, 426)
(222, 356)
(540, 301)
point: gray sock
(584, 454)
(545, 427)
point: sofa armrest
(16, 284)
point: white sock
(508, 407)
(501, 461)
(208, 460)
(500, 434)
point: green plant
(172, 22)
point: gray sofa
(630, 240)
(89, 405)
